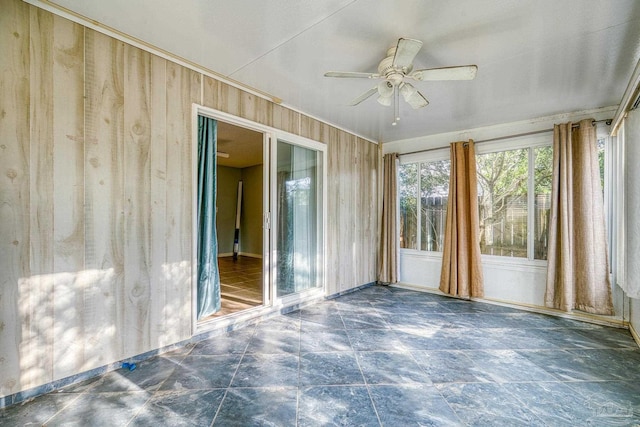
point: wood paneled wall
(96, 196)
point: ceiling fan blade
(350, 74)
(406, 51)
(463, 72)
(414, 98)
(364, 96)
(417, 100)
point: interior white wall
(251, 219)
(227, 189)
(251, 223)
(506, 280)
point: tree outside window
(502, 201)
(408, 188)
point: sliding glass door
(299, 219)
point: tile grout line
(226, 391)
(63, 408)
(298, 391)
(364, 378)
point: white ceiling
(244, 147)
(535, 58)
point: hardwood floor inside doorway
(240, 284)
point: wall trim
(582, 317)
(501, 130)
(350, 291)
(78, 18)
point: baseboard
(204, 330)
(634, 334)
(349, 291)
(250, 255)
(582, 317)
(247, 254)
(49, 387)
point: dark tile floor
(379, 356)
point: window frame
(423, 157)
(529, 142)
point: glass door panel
(298, 216)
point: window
(433, 188)
(514, 198)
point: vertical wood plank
(348, 213)
(375, 207)
(137, 191)
(363, 211)
(254, 108)
(210, 92)
(36, 291)
(286, 119)
(365, 239)
(183, 88)
(248, 106)
(325, 132)
(358, 257)
(371, 197)
(312, 128)
(306, 127)
(333, 238)
(264, 111)
(14, 184)
(158, 217)
(68, 215)
(103, 283)
(229, 99)
(343, 251)
(368, 239)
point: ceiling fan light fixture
(384, 100)
(385, 89)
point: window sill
(487, 260)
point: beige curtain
(578, 267)
(461, 273)
(389, 238)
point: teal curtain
(208, 275)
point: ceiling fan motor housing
(390, 72)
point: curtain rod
(517, 135)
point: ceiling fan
(396, 69)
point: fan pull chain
(396, 105)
